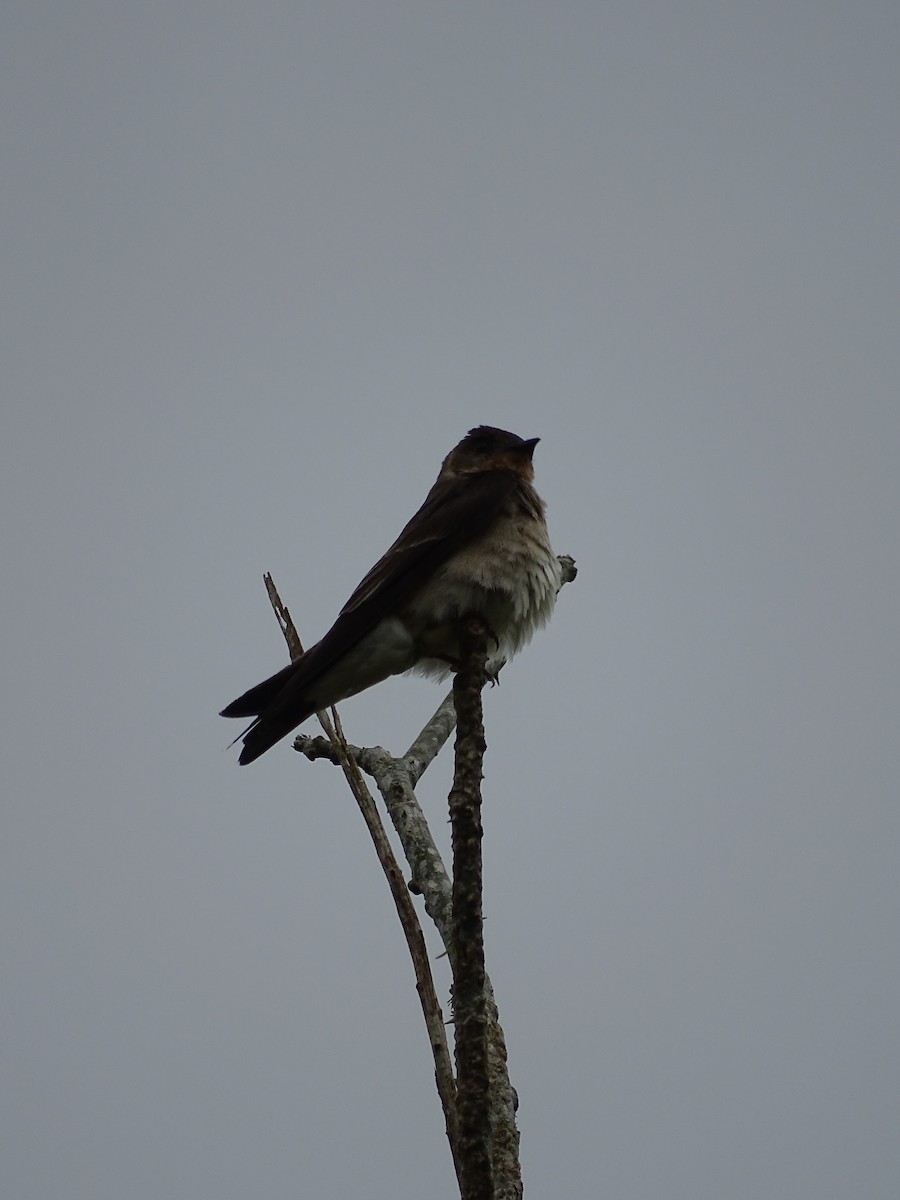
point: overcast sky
(263, 265)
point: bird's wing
(455, 513)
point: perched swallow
(478, 546)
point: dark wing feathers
(455, 513)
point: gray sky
(263, 265)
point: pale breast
(510, 576)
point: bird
(477, 547)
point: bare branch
(396, 779)
(283, 617)
(473, 1106)
(431, 740)
(569, 570)
(415, 940)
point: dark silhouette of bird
(478, 546)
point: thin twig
(415, 940)
(283, 617)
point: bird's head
(488, 449)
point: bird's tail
(258, 699)
(266, 731)
(270, 725)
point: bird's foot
(492, 674)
